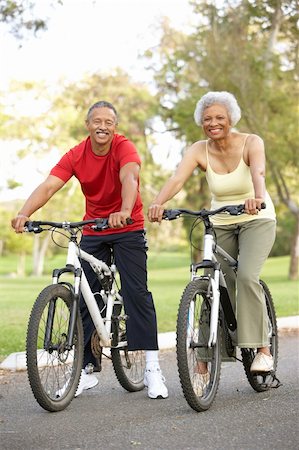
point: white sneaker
(200, 382)
(87, 381)
(60, 392)
(262, 363)
(155, 383)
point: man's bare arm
(36, 200)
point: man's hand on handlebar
(18, 223)
(119, 219)
(155, 213)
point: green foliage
(12, 184)
(20, 17)
(10, 241)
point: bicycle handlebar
(233, 210)
(35, 226)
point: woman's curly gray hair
(223, 98)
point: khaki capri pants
(249, 242)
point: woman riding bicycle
(234, 164)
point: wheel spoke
(53, 370)
(128, 365)
(198, 365)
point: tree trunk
(21, 264)
(294, 263)
(39, 250)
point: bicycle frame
(217, 284)
(73, 265)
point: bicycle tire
(193, 329)
(53, 373)
(128, 365)
(263, 382)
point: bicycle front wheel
(53, 369)
(262, 382)
(193, 353)
(128, 365)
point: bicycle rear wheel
(53, 370)
(263, 382)
(193, 331)
(128, 365)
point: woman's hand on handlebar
(18, 223)
(155, 213)
(253, 205)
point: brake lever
(101, 224)
(171, 214)
(236, 210)
(32, 227)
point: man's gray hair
(224, 98)
(101, 104)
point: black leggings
(129, 250)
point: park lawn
(17, 297)
(168, 275)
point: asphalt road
(107, 417)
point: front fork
(214, 295)
(48, 344)
(214, 284)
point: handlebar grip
(102, 224)
(171, 214)
(32, 227)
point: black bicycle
(206, 320)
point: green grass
(168, 275)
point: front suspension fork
(48, 344)
(214, 306)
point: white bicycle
(206, 322)
(55, 343)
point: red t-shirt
(99, 179)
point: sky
(90, 35)
(85, 36)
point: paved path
(107, 417)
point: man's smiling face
(101, 125)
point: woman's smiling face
(216, 122)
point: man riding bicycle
(107, 166)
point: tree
(20, 17)
(249, 48)
(13, 243)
